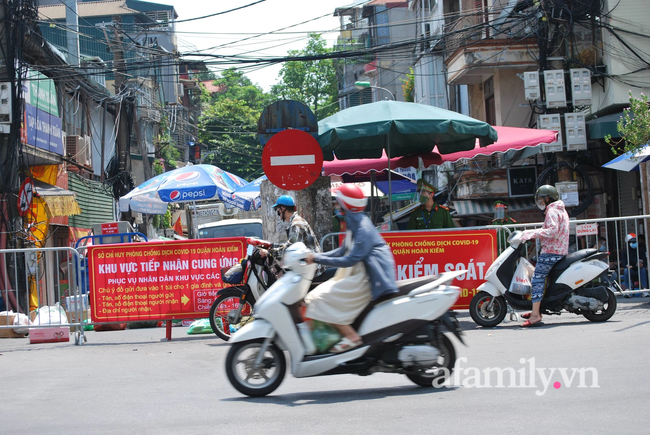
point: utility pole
(72, 37)
(119, 67)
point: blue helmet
(286, 201)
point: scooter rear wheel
(255, 381)
(607, 312)
(437, 375)
(489, 318)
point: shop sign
(521, 181)
(40, 92)
(43, 130)
(158, 281)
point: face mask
(500, 213)
(279, 213)
(338, 212)
(541, 204)
(633, 245)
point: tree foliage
(228, 124)
(634, 126)
(408, 86)
(311, 82)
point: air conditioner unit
(180, 90)
(78, 149)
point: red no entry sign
(292, 159)
(26, 196)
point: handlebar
(258, 242)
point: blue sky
(264, 17)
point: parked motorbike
(580, 283)
(234, 305)
(402, 333)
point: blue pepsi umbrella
(247, 197)
(188, 184)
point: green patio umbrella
(399, 128)
(363, 132)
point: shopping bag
(324, 336)
(521, 281)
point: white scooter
(580, 283)
(401, 333)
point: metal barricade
(43, 280)
(627, 266)
(83, 263)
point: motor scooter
(233, 305)
(579, 283)
(401, 333)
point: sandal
(528, 324)
(526, 316)
(344, 345)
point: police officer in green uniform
(429, 215)
(501, 218)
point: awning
(510, 139)
(604, 125)
(58, 201)
(482, 206)
(628, 162)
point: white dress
(340, 300)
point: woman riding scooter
(554, 238)
(369, 271)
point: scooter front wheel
(485, 314)
(250, 378)
(225, 312)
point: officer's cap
(426, 186)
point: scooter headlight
(294, 255)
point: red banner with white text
(429, 253)
(158, 280)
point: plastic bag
(201, 326)
(234, 275)
(52, 315)
(19, 319)
(521, 284)
(325, 336)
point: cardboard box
(55, 334)
(72, 318)
(8, 333)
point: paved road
(133, 381)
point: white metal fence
(628, 266)
(36, 278)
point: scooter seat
(404, 287)
(571, 258)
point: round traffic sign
(25, 196)
(292, 160)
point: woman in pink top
(554, 237)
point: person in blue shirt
(366, 271)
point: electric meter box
(551, 122)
